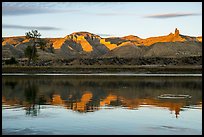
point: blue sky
(143, 19)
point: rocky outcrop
(108, 44)
(13, 40)
(199, 39)
(176, 34)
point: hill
(89, 45)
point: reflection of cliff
(85, 104)
(10, 101)
(82, 104)
(171, 105)
(56, 100)
(90, 94)
(108, 100)
(3, 99)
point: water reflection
(30, 94)
(89, 94)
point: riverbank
(88, 69)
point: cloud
(9, 11)
(107, 14)
(171, 15)
(24, 8)
(28, 27)
(115, 14)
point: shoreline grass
(103, 68)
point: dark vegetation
(11, 61)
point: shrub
(12, 60)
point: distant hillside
(88, 45)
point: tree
(51, 48)
(31, 51)
(42, 44)
(28, 53)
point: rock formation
(88, 45)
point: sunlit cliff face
(85, 44)
(84, 39)
(58, 43)
(108, 44)
(199, 39)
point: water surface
(34, 104)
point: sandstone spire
(176, 34)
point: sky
(106, 19)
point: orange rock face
(85, 43)
(108, 44)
